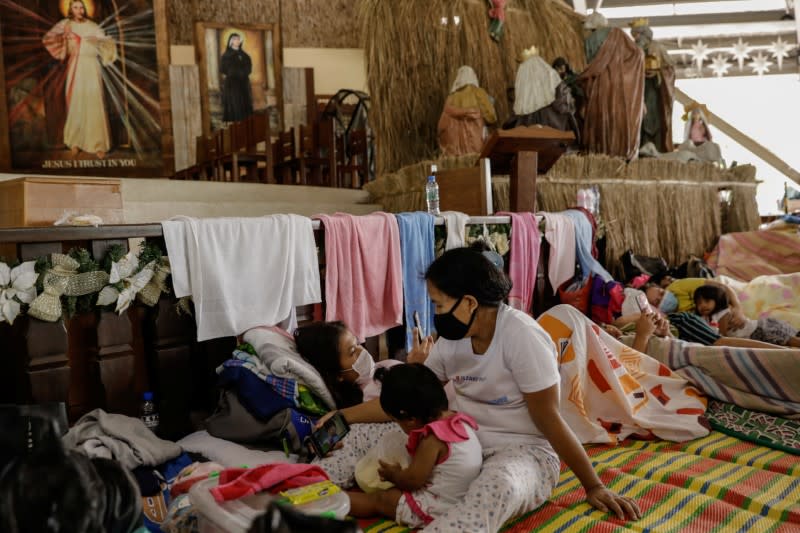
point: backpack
(633, 265)
(287, 428)
(606, 300)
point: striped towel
(762, 380)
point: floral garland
(65, 284)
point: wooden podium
(522, 152)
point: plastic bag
(390, 449)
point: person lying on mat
(689, 326)
(445, 451)
(346, 367)
(711, 303)
(504, 369)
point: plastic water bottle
(149, 414)
(432, 193)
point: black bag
(634, 265)
(232, 421)
(284, 519)
(693, 268)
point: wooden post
(523, 182)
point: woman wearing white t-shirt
(504, 370)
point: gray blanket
(119, 437)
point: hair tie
(494, 258)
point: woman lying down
(505, 370)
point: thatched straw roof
(655, 207)
(412, 58)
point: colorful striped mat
(716, 483)
(747, 255)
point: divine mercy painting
(83, 90)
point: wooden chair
(285, 156)
(259, 144)
(357, 159)
(205, 154)
(317, 160)
(240, 157)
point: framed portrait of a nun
(240, 73)
(85, 88)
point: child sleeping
(711, 303)
(446, 455)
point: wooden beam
(705, 18)
(745, 140)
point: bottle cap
(148, 396)
(431, 178)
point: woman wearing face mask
(345, 366)
(503, 366)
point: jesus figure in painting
(85, 47)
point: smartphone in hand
(644, 305)
(420, 333)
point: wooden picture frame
(215, 48)
(49, 93)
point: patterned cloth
(761, 428)
(610, 391)
(772, 296)
(773, 331)
(692, 328)
(285, 387)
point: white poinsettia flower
(133, 285)
(17, 285)
(123, 268)
(107, 296)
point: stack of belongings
(270, 396)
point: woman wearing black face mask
(503, 366)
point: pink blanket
(363, 272)
(525, 242)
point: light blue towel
(416, 251)
(583, 246)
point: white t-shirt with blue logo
(521, 358)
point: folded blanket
(277, 352)
(763, 380)
(610, 392)
(119, 437)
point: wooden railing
(102, 359)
